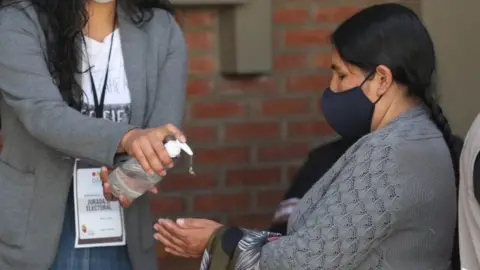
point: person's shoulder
(162, 15)
(162, 19)
(423, 165)
(411, 145)
(162, 24)
(412, 127)
(429, 150)
(419, 143)
(17, 12)
(19, 17)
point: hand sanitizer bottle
(131, 181)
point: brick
(165, 205)
(269, 199)
(290, 16)
(293, 170)
(180, 18)
(252, 131)
(318, 105)
(253, 177)
(277, 39)
(187, 181)
(283, 151)
(335, 14)
(308, 83)
(307, 37)
(247, 84)
(259, 221)
(308, 128)
(199, 41)
(222, 202)
(221, 156)
(201, 133)
(217, 109)
(198, 87)
(231, 106)
(201, 64)
(323, 60)
(200, 18)
(289, 61)
(285, 106)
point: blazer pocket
(16, 197)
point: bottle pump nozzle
(174, 147)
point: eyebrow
(334, 67)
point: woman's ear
(385, 79)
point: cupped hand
(107, 191)
(146, 146)
(185, 237)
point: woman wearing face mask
(389, 202)
(83, 82)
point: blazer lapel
(134, 43)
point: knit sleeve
(341, 226)
(388, 203)
(347, 224)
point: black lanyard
(99, 105)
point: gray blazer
(42, 135)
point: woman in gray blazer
(87, 80)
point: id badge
(98, 222)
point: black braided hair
(442, 123)
(393, 35)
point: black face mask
(348, 112)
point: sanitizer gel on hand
(131, 181)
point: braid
(442, 123)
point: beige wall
(455, 27)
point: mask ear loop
(380, 97)
(366, 79)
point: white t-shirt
(117, 94)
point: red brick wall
(251, 133)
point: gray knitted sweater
(388, 203)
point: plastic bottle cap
(185, 148)
(173, 149)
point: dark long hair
(65, 20)
(393, 35)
